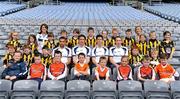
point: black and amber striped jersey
(28, 58)
(154, 44)
(91, 42)
(46, 60)
(15, 43)
(134, 59)
(7, 58)
(143, 48)
(112, 41)
(50, 44)
(72, 42)
(167, 47)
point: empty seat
(5, 88)
(25, 89)
(130, 90)
(103, 89)
(156, 90)
(52, 89)
(78, 89)
(175, 89)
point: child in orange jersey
(57, 70)
(102, 71)
(37, 70)
(146, 72)
(124, 70)
(81, 70)
(165, 71)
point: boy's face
(57, 55)
(99, 41)
(37, 60)
(50, 38)
(62, 42)
(81, 59)
(91, 33)
(128, 34)
(17, 56)
(135, 51)
(124, 61)
(103, 62)
(27, 50)
(118, 41)
(11, 50)
(114, 33)
(163, 61)
(56, 59)
(153, 35)
(45, 51)
(75, 34)
(81, 41)
(146, 63)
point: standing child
(153, 42)
(104, 33)
(165, 71)
(57, 70)
(81, 70)
(167, 45)
(14, 39)
(146, 72)
(50, 42)
(74, 40)
(46, 56)
(27, 55)
(32, 42)
(91, 41)
(37, 70)
(102, 71)
(143, 45)
(124, 70)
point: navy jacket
(18, 69)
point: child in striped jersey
(27, 55)
(74, 40)
(143, 45)
(102, 71)
(124, 70)
(50, 43)
(14, 39)
(153, 42)
(32, 42)
(46, 56)
(9, 54)
(91, 40)
(81, 70)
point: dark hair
(124, 56)
(128, 30)
(81, 54)
(46, 26)
(57, 52)
(63, 31)
(90, 28)
(166, 32)
(45, 47)
(102, 58)
(50, 34)
(63, 38)
(117, 37)
(17, 52)
(146, 57)
(137, 27)
(76, 30)
(35, 40)
(26, 46)
(37, 55)
(81, 36)
(163, 56)
(99, 36)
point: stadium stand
(7, 8)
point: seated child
(124, 70)
(81, 70)
(146, 72)
(57, 70)
(165, 71)
(102, 71)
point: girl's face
(37, 60)
(31, 39)
(138, 31)
(14, 36)
(50, 38)
(135, 51)
(167, 36)
(124, 61)
(81, 59)
(43, 29)
(27, 50)
(103, 62)
(17, 56)
(75, 34)
(153, 35)
(146, 63)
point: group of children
(42, 57)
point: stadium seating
(5, 88)
(175, 91)
(6, 8)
